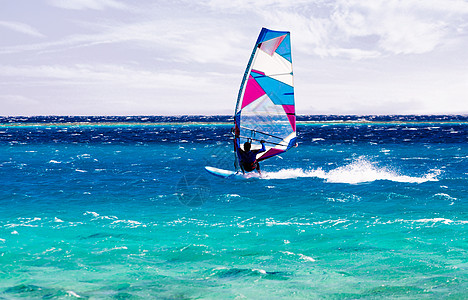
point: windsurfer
(248, 158)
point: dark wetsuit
(248, 160)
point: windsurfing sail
(265, 107)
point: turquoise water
(127, 211)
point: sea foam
(358, 171)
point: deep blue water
(121, 207)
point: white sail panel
(274, 66)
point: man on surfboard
(248, 158)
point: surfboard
(219, 172)
(232, 175)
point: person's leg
(258, 168)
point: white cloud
(187, 41)
(400, 26)
(397, 27)
(22, 28)
(359, 29)
(243, 6)
(54, 75)
(87, 4)
(111, 89)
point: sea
(366, 207)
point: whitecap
(108, 218)
(95, 214)
(111, 249)
(441, 220)
(300, 255)
(73, 294)
(432, 221)
(131, 223)
(444, 196)
(26, 223)
(52, 250)
(305, 257)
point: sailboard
(219, 172)
(230, 174)
(265, 108)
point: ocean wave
(73, 294)
(52, 161)
(440, 220)
(425, 221)
(301, 256)
(358, 171)
(237, 273)
(444, 196)
(24, 222)
(110, 249)
(128, 223)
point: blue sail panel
(284, 49)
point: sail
(265, 107)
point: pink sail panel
(258, 72)
(253, 91)
(269, 153)
(271, 45)
(292, 121)
(291, 113)
(289, 109)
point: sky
(151, 57)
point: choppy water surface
(93, 209)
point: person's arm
(263, 147)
